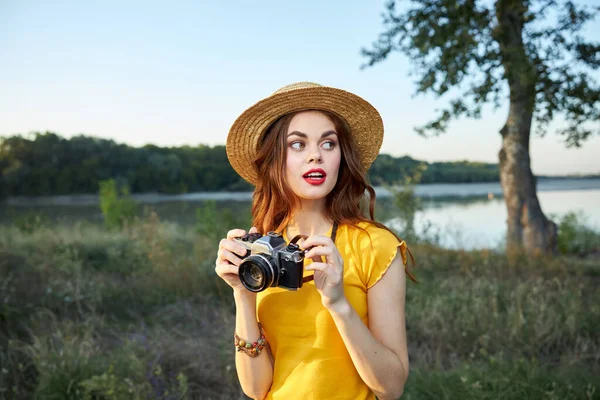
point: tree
(488, 51)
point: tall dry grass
(139, 313)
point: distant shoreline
(570, 176)
(430, 190)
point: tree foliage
(454, 44)
(47, 164)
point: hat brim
(364, 121)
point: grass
(139, 313)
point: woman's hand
(329, 269)
(229, 258)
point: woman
(341, 336)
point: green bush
(110, 386)
(74, 361)
(406, 207)
(213, 223)
(31, 222)
(117, 208)
(574, 237)
(501, 380)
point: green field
(87, 312)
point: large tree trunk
(528, 227)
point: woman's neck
(309, 220)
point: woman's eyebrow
(304, 135)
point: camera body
(270, 262)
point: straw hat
(362, 118)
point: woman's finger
(318, 266)
(334, 276)
(223, 268)
(226, 255)
(233, 247)
(319, 251)
(317, 240)
(235, 233)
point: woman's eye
(297, 145)
(329, 145)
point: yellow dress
(310, 359)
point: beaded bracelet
(252, 349)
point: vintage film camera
(271, 262)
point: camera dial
(294, 254)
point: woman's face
(313, 155)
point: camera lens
(256, 273)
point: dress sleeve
(379, 248)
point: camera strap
(333, 236)
(334, 231)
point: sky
(180, 72)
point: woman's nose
(315, 157)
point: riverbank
(139, 313)
(434, 190)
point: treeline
(390, 170)
(48, 164)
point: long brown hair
(274, 203)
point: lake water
(464, 215)
(483, 223)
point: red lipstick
(315, 176)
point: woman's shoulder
(374, 248)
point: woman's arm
(255, 374)
(379, 352)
